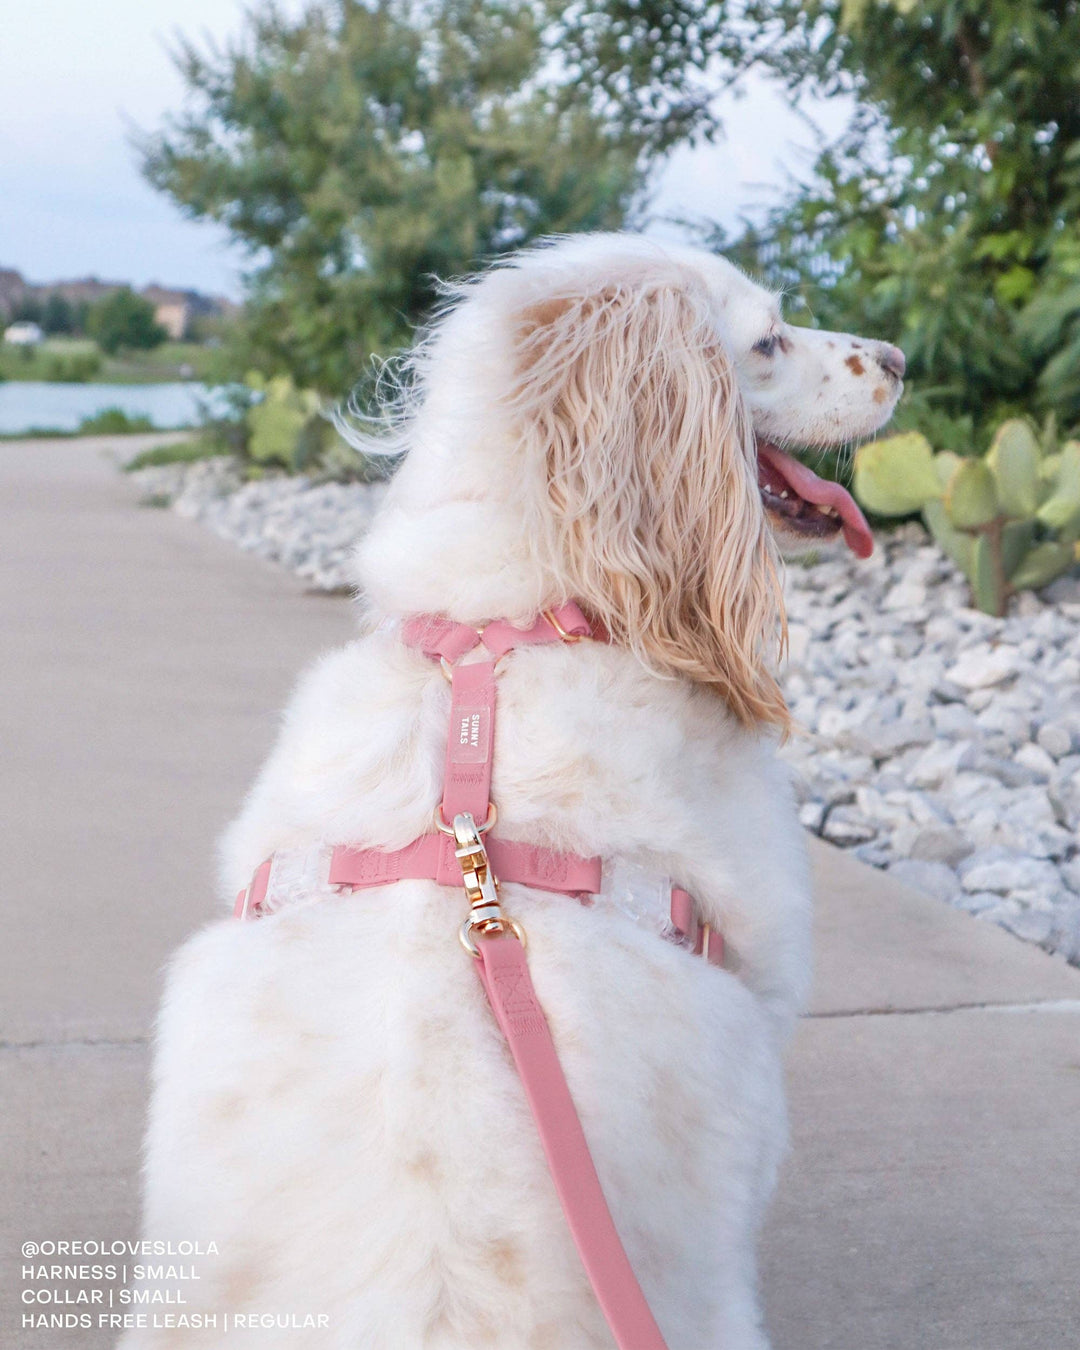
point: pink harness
(458, 853)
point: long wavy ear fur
(648, 511)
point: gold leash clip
(485, 914)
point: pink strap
(527, 864)
(504, 973)
(467, 784)
(440, 637)
(500, 637)
(249, 901)
(431, 858)
(470, 744)
(436, 636)
(700, 937)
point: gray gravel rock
(940, 844)
(1033, 925)
(983, 666)
(952, 735)
(1056, 738)
(1005, 870)
(932, 877)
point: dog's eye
(767, 345)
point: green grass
(78, 360)
(170, 361)
(113, 422)
(182, 452)
(72, 360)
(107, 422)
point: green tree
(123, 319)
(361, 151)
(653, 69)
(57, 315)
(27, 310)
(947, 217)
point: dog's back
(335, 1107)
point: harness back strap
(504, 973)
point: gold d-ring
(549, 614)
(466, 939)
(448, 669)
(492, 817)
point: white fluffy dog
(334, 1107)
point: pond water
(34, 405)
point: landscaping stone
(983, 666)
(984, 811)
(1005, 870)
(940, 845)
(1056, 738)
(932, 877)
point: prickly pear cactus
(283, 424)
(1011, 520)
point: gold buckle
(485, 914)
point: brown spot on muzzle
(854, 365)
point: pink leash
(504, 971)
(458, 853)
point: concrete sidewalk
(931, 1200)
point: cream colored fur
(333, 1105)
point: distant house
(172, 310)
(23, 335)
(176, 311)
(82, 291)
(12, 290)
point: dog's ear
(645, 493)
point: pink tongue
(821, 492)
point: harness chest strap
(467, 780)
(347, 868)
(458, 852)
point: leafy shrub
(124, 319)
(1011, 520)
(76, 368)
(182, 452)
(57, 315)
(271, 424)
(113, 422)
(285, 428)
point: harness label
(470, 735)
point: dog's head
(629, 401)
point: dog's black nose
(892, 359)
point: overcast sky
(74, 76)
